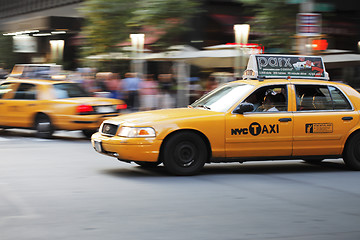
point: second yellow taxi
(30, 99)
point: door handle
(347, 118)
(285, 120)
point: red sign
(319, 44)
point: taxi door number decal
(256, 129)
(318, 128)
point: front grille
(109, 129)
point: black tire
(351, 153)
(43, 126)
(184, 154)
(88, 132)
(147, 164)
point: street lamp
(137, 43)
(57, 50)
(241, 37)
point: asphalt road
(62, 189)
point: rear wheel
(351, 154)
(43, 126)
(185, 153)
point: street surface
(61, 189)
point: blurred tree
(108, 22)
(105, 24)
(274, 21)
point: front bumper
(127, 149)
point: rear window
(339, 100)
(69, 90)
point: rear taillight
(121, 106)
(84, 109)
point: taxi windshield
(223, 98)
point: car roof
(34, 81)
(274, 81)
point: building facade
(48, 30)
(42, 30)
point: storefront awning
(341, 60)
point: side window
(26, 91)
(5, 88)
(339, 100)
(269, 99)
(314, 97)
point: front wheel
(185, 153)
(351, 154)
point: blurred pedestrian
(195, 89)
(148, 93)
(100, 81)
(211, 84)
(112, 82)
(165, 85)
(88, 80)
(131, 85)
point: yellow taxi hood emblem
(149, 117)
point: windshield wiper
(204, 106)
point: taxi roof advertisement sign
(293, 66)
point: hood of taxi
(150, 117)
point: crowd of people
(147, 92)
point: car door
(261, 133)
(19, 108)
(322, 119)
(7, 90)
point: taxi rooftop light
(264, 66)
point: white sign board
(24, 44)
(283, 66)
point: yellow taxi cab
(30, 98)
(284, 108)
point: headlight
(134, 132)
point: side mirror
(244, 107)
